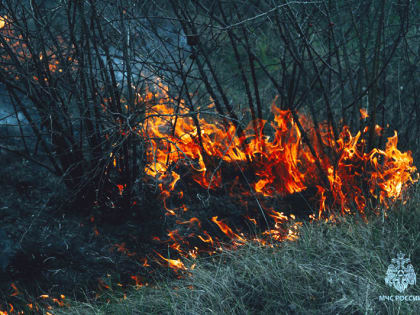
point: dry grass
(334, 269)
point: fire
(393, 173)
(18, 47)
(363, 113)
(121, 188)
(3, 20)
(138, 282)
(227, 230)
(122, 249)
(175, 264)
(191, 222)
(102, 285)
(207, 239)
(183, 146)
(15, 290)
(282, 163)
(175, 139)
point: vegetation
(331, 268)
(138, 137)
(73, 69)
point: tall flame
(282, 163)
(183, 145)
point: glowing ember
(121, 188)
(15, 290)
(139, 284)
(102, 285)
(3, 21)
(122, 249)
(19, 48)
(363, 113)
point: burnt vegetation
(136, 133)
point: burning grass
(197, 160)
(225, 198)
(288, 160)
(262, 167)
(331, 268)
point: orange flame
(138, 281)
(282, 164)
(15, 290)
(3, 20)
(363, 113)
(175, 264)
(227, 230)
